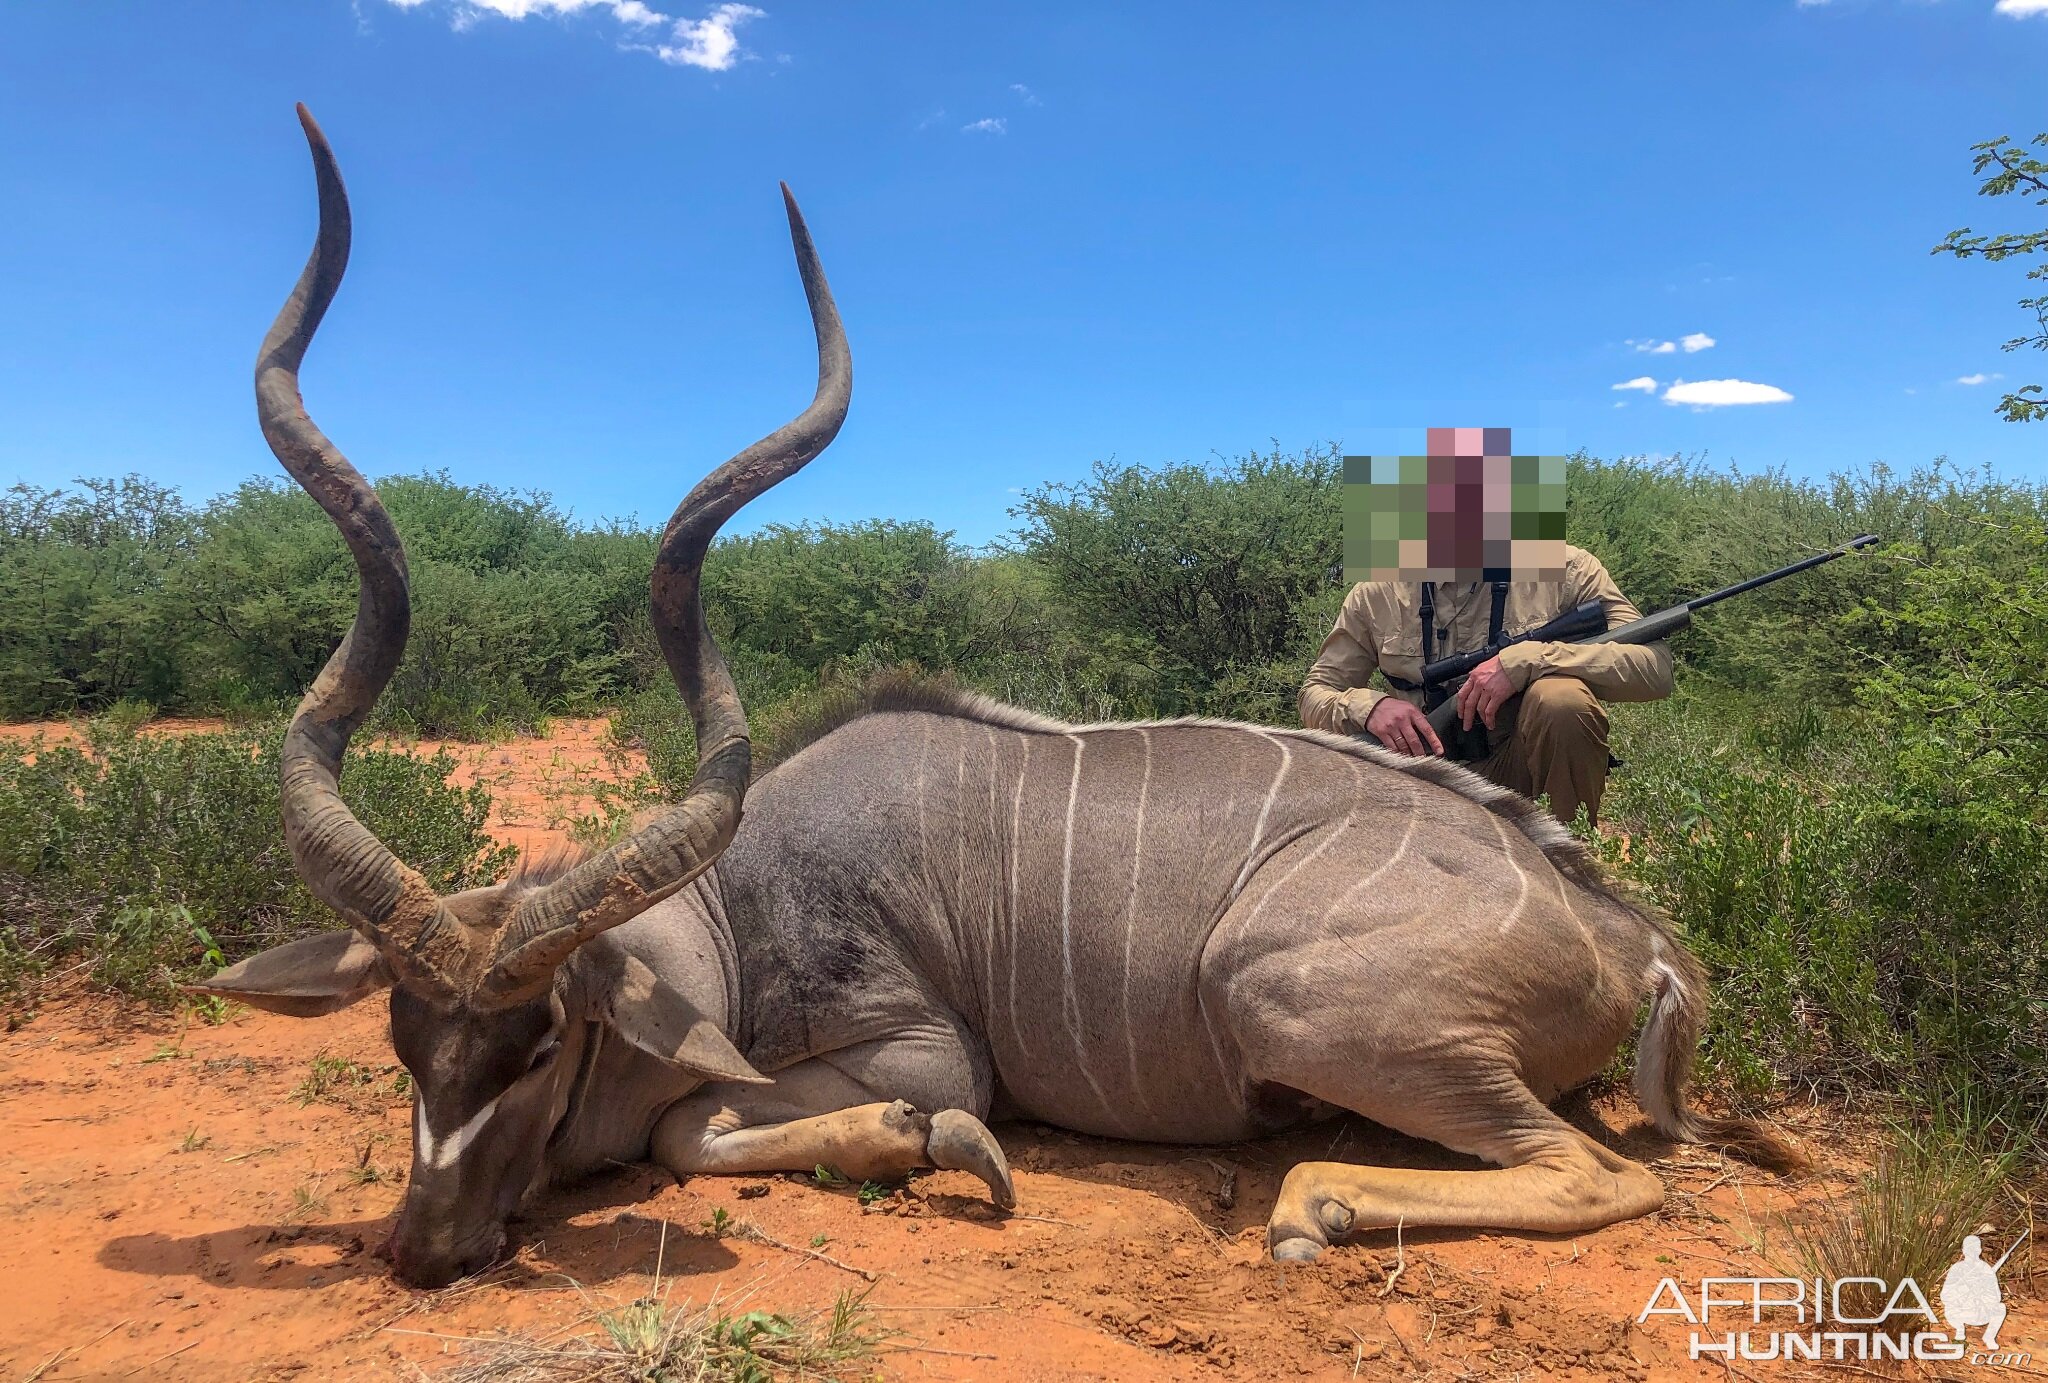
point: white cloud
(712, 42)
(994, 124)
(1979, 378)
(1697, 341)
(1809, 4)
(1652, 347)
(1642, 382)
(1026, 94)
(1723, 393)
(2020, 9)
(468, 11)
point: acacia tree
(2026, 176)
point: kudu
(942, 910)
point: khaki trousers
(1558, 746)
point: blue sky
(1058, 232)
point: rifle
(1586, 624)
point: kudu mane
(539, 868)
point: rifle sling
(1494, 622)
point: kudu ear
(304, 978)
(655, 1017)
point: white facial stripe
(441, 1152)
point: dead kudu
(942, 910)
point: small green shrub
(1858, 933)
(157, 856)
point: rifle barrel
(1647, 629)
(1587, 623)
(1781, 573)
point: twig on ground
(444, 1335)
(51, 1362)
(950, 1353)
(1213, 1232)
(160, 1359)
(760, 1236)
(1400, 1259)
(1393, 1330)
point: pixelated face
(1469, 509)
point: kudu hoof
(960, 1142)
(1295, 1249)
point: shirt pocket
(1400, 655)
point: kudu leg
(733, 1130)
(1571, 1186)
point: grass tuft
(651, 1340)
(1908, 1215)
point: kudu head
(482, 997)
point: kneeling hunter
(1539, 702)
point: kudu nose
(428, 1251)
(419, 1265)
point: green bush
(813, 595)
(1196, 574)
(1860, 932)
(82, 614)
(145, 851)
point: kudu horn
(341, 860)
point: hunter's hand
(1398, 725)
(1484, 693)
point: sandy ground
(193, 1202)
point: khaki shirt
(1380, 629)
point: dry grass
(650, 1340)
(1907, 1216)
(653, 1340)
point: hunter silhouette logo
(1843, 1319)
(1969, 1291)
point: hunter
(1539, 702)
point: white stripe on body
(1407, 835)
(1564, 895)
(989, 932)
(1243, 873)
(1131, 921)
(1521, 874)
(1070, 1004)
(1016, 807)
(959, 836)
(1265, 809)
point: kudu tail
(1664, 1056)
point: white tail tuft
(1664, 1052)
(1664, 1056)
